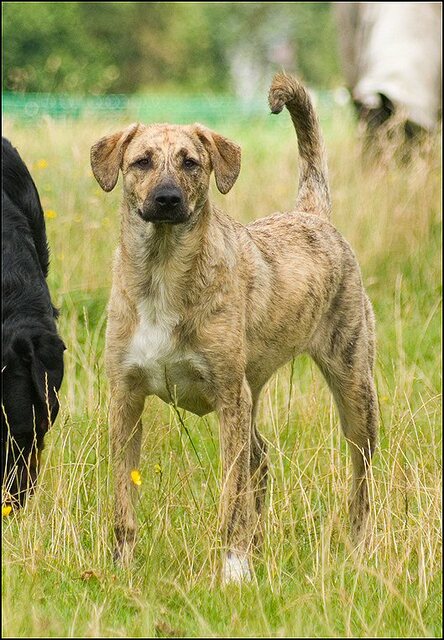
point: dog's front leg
(237, 504)
(126, 431)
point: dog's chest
(172, 370)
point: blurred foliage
(103, 47)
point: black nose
(168, 198)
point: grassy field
(58, 576)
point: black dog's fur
(32, 351)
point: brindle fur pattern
(204, 311)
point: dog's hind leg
(259, 473)
(126, 433)
(347, 367)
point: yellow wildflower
(41, 164)
(50, 213)
(157, 468)
(6, 509)
(136, 477)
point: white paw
(235, 568)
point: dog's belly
(179, 382)
(176, 375)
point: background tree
(100, 47)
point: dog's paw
(236, 569)
(123, 556)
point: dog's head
(166, 168)
(32, 372)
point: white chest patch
(172, 372)
(153, 345)
(152, 341)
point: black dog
(32, 354)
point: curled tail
(314, 194)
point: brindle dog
(203, 310)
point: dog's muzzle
(165, 204)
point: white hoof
(235, 568)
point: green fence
(147, 108)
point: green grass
(58, 576)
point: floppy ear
(47, 368)
(43, 354)
(107, 154)
(225, 157)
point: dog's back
(24, 245)
(32, 351)
(18, 186)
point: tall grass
(58, 576)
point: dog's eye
(143, 163)
(189, 163)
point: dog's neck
(162, 260)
